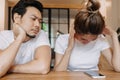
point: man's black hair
(21, 6)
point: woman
(81, 49)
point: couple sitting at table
(26, 48)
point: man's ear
(17, 18)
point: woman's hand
(71, 38)
(109, 31)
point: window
(57, 22)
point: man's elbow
(44, 70)
(2, 72)
(117, 69)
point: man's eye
(33, 19)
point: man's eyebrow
(37, 17)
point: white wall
(3, 14)
(113, 14)
(2, 4)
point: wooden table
(110, 75)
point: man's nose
(37, 23)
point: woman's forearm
(63, 64)
(116, 52)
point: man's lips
(35, 31)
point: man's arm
(40, 64)
(7, 56)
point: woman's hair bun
(93, 5)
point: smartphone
(95, 74)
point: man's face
(31, 22)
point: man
(25, 48)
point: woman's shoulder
(61, 43)
(63, 37)
(102, 42)
(102, 38)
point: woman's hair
(21, 6)
(89, 20)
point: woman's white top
(83, 56)
(27, 49)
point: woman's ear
(17, 18)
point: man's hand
(20, 33)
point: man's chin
(30, 36)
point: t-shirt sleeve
(105, 44)
(61, 44)
(42, 39)
(3, 43)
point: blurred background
(58, 15)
